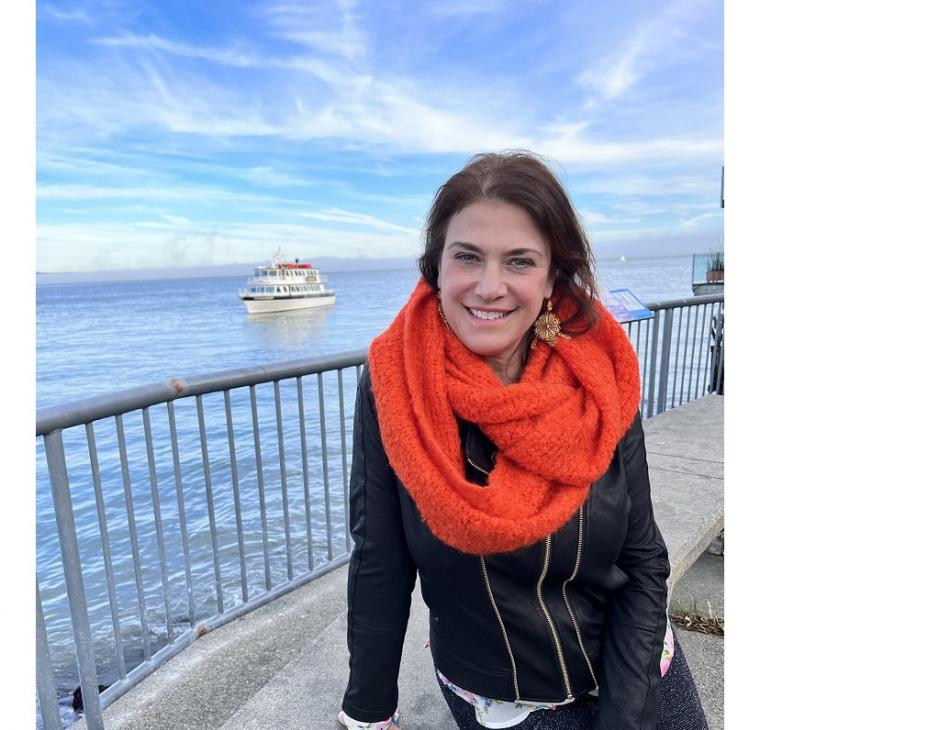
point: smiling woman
(499, 456)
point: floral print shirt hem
(352, 724)
(497, 714)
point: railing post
(44, 676)
(652, 370)
(665, 361)
(71, 562)
(718, 354)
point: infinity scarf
(556, 429)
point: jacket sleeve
(381, 574)
(637, 617)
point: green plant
(716, 261)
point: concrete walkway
(703, 586)
(285, 665)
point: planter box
(715, 276)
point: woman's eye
(521, 263)
(465, 257)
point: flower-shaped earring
(548, 327)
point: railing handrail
(685, 302)
(79, 412)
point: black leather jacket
(584, 608)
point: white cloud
(651, 186)
(143, 97)
(334, 73)
(177, 220)
(102, 192)
(695, 220)
(461, 8)
(593, 217)
(319, 27)
(269, 177)
(592, 153)
(152, 42)
(358, 109)
(336, 215)
(654, 43)
(93, 246)
(79, 162)
(65, 14)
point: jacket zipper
(499, 618)
(478, 468)
(502, 626)
(570, 609)
(544, 608)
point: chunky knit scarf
(556, 429)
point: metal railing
(157, 524)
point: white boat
(282, 286)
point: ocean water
(95, 338)
(100, 337)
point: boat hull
(286, 304)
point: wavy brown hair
(520, 178)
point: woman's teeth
(480, 314)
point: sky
(191, 133)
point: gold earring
(548, 327)
(441, 312)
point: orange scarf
(556, 429)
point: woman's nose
(491, 284)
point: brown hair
(520, 178)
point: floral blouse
(493, 713)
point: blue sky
(199, 133)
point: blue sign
(625, 306)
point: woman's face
(494, 274)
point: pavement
(284, 665)
(703, 585)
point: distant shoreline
(325, 263)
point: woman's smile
(488, 315)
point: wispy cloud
(692, 222)
(164, 192)
(334, 215)
(88, 246)
(603, 153)
(65, 14)
(269, 177)
(325, 27)
(594, 217)
(648, 46)
(464, 8)
(153, 42)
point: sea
(94, 338)
(98, 337)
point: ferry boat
(282, 286)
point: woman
(499, 455)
